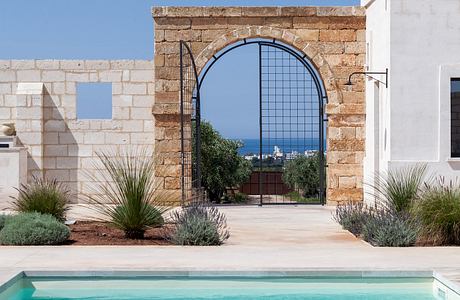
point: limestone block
(5, 88)
(113, 138)
(168, 23)
(144, 138)
(141, 113)
(55, 125)
(97, 64)
(122, 100)
(22, 64)
(61, 175)
(182, 35)
(32, 113)
(30, 138)
(355, 47)
(121, 113)
(7, 76)
(261, 11)
(56, 150)
(50, 138)
(49, 163)
(5, 64)
(79, 77)
(143, 64)
(10, 100)
(28, 75)
(110, 76)
(126, 75)
(94, 138)
(47, 64)
(5, 113)
(347, 182)
(142, 101)
(58, 87)
(72, 64)
(133, 125)
(51, 76)
(67, 162)
(135, 88)
(142, 75)
(70, 138)
(121, 64)
(209, 23)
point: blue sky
(116, 29)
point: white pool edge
(441, 284)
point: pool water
(220, 288)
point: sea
(251, 146)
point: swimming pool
(229, 286)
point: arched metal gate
(291, 121)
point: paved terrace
(267, 238)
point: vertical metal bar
(182, 122)
(198, 141)
(321, 148)
(260, 126)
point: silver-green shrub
(352, 216)
(387, 228)
(33, 229)
(3, 220)
(199, 225)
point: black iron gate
(291, 122)
(190, 126)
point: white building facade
(414, 118)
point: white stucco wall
(418, 41)
(377, 95)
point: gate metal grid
(291, 118)
(190, 127)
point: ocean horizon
(287, 145)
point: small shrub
(199, 225)
(136, 202)
(398, 188)
(352, 216)
(33, 229)
(45, 196)
(438, 211)
(237, 198)
(388, 229)
(3, 219)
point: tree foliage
(302, 174)
(221, 165)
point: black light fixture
(368, 74)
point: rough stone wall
(60, 145)
(332, 38)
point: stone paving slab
(263, 239)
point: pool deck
(272, 238)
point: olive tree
(221, 165)
(302, 174)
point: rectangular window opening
(94, 101)
(455, 117)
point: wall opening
(94, 101)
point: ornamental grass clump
(33, 229)
(126, 192)
(399, 188)
(438, 212)
(199, 225)
(45, 196)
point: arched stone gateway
(331, 38)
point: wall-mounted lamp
(369, 75)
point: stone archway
(333, 40)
